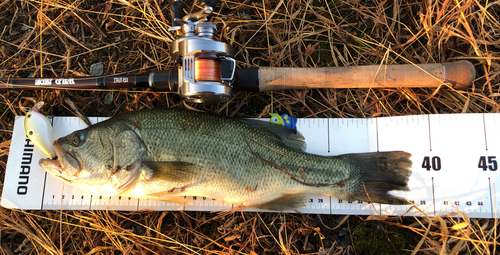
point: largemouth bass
(166, 154)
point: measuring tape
(455, 162)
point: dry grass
(41, 38)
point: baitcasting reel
(205, 66)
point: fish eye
(275, 119)
(77, 139)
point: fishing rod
(206, 70)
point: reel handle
(177, 12)
(211, 3)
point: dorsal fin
(284, 135)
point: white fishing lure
(39, 130)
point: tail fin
(380, 173)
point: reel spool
(206, 67)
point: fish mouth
(67, 160)
(58, 157)
(54, 167)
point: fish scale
(176, 153)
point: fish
(169, 153)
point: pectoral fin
(173, 171)
(174, 195)
(285, 202)
(179, 175)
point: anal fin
(285, 202)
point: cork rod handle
(459, 75)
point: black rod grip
(163, 81)
(247, 79)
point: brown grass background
(42, 38)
